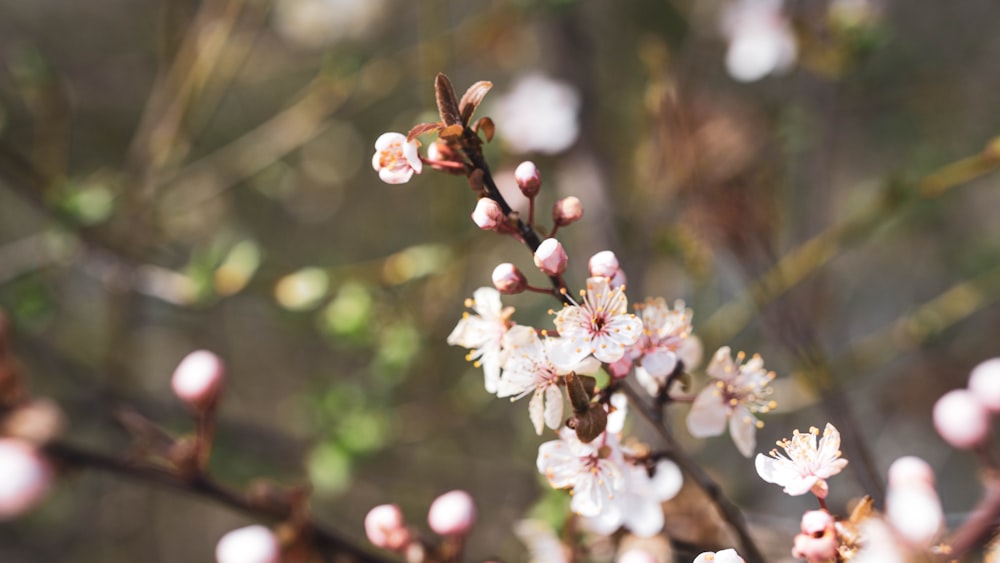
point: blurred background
(178, 175)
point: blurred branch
(270, 141)
(810, 256)
(159, 132)
(928, 320)
(279, 509)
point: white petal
(536, 411)
(743, 429)
(487, 302)
(659, 363)
(645, 517)
(667, 481)
(553, 407)
(708, 414)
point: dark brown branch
(980, 526)
(325, 539)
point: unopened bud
(37, 422)
(508, 279)
(550, 257)
(452, 514)
(816, 522)
(25, 477)
(603, 264)
(637, 555)
(252, 544)
(386, 528)
(566, 211)
(528, 178)
(618, 280)
(488, 215)
(961, 419)
(198, 379)
(912, 504)
(984, 382)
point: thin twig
(328, 540)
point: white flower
(664, 331)
(807, 466)
(316, 23)
(761, 41)
(591, 470)
(724, 556)
(538, 115)
(600, 326)
(542, 543)
(395, 158)
(529, 370)
(638, 505)
(483, 334)
(739, 391)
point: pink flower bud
(909, 471)
(25, 477)
(637, 555)
(724, 556)
(508, 279)
(618, 280)
(621, 368)
(566, 211)
(912, 504)
(198, 379)
(961, 419)
(984, 382)
(550, 257)
(385, 527)
(603, 264)
(816, 522)
(815, 549)
(818, 540)
(452, 514)
(252, 544)
(488, 215)
(528, 178)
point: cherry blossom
(528, 370)
(600, 326)
(806, 465)
(724, 556)
(25, 477)
(590, 469)
(483, 334)
(638, 505)
(739, 390)
(252, 544)
(538, 115)
(396, 159)
(543, 544)
(664, 331)
(761, 41)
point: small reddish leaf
(422, 128)
(472, 98)
(485, 125)
(447, 102)
(451, 131)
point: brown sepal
(422, 128)
(590, 424)
(485, 125)
(451, 131)
(476, 181)
(472, 98)
(447, 102)
(580, 389)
